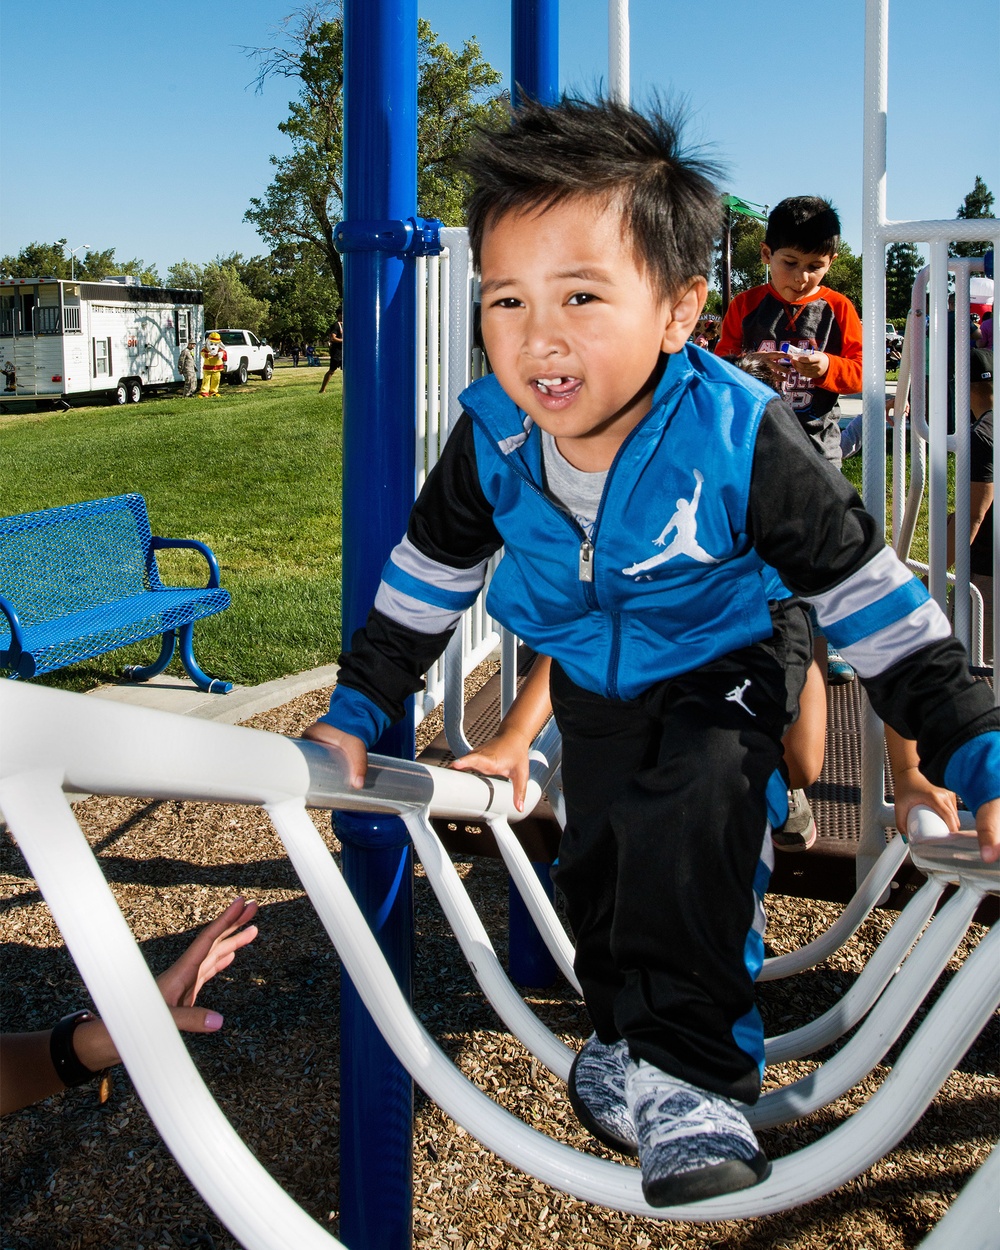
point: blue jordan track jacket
(716, 504)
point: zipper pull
(586, 561)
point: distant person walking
(336, 350)
(295, 355)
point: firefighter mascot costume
(213, 365)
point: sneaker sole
(797, 841)
(586, 1118)
(708, 1182)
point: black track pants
(666, 820)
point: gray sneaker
(597, 1093)
(692, 1144)
(798, 833)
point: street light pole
(72, 261)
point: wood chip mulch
(77, 1175)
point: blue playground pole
(534, 72)
(377, 238)
(534, 49)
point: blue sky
(109, 108)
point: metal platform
(826, 871)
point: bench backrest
(78, 556)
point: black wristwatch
(68, 1067)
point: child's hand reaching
(212, 950)
(353, 749)
(911, 788)
(988, 829)
(505, 755)
(27, 1071)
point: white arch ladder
(52, 742)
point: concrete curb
(180, 695)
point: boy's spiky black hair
(605, 151)
(806, 223)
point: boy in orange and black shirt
(820, 325)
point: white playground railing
(447, 361)
(923, 384)
(877, 233)
(52, 742)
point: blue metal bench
(80, 580)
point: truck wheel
(240, 376)
(134, 392)
(267, 373)
(120, 395)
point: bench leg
(212, 685)
(136, 672)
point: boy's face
(795, 274)
(573, 329)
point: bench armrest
(213, 565)
(16, 632)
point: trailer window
(182, 322)
(6, 316)
(102, 357)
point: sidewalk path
(168, 693)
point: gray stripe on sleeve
(414, 613)
(460, 581)
(877, 652)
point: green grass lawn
(255, 474)
(918, 550)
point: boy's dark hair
(751, 363)
(606, 151)
(806, 223)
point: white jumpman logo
(686, 542)
(736, 696)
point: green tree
(844, 275)
(51, 260)
(902, 264)
(303, 297)
(228, 299)
(304, 201)
(455, 94)
(978, 203)
(185, 275)
(747, 266)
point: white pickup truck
(245, 354)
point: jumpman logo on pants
(736, 696)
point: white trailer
(112, 339)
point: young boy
(800, 244)
(647, 496)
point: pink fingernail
(213, 1021)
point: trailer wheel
(120, 395)
(134, 392)
(239, 378)
(267, 373)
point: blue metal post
(380, 195)
(534, 49)
(534, 26)
(528, 959)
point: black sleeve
(808, 523)
(452, 523)
(805, 519)
(452, 520)
(387, 662)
